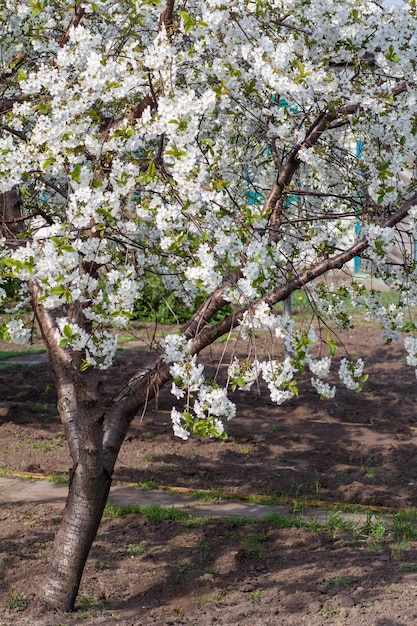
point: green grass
(148, 485)
(17, 601)
(137, 549)
(5, 366)
(328, 610)
(44, 446)
(350, 580)
(405, 525)
(254, 544)
(408, 568)
(148, 512)
(209, 495)
(8, 354)
(373, 531)
(60, 479)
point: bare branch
(75, 20)
(14, 132)
(167, 17)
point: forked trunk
(84, 508)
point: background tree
(213, 144)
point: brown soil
(357, 449)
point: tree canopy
(211, 143)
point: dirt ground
(355, 449)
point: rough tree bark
(11, 216)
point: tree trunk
(86, 500)
(88, 490)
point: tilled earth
(355, 449)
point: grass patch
(17, 601)
(328, 610)
(44, 446)
(405, 525)
(62, 479)
(408, 568)
(5, 366)
(254, 544)
(148, 512)
(9, 354)
(149, 485)
(136, 550)
(254, 541)
(209, 495)
(350, 580)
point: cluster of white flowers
(213, 401)
(99, 349)
(319, 367)
(410, 344)
(17, 331)
(381, 242)
(206, 405)
(351, 372)
(175, 348)
(177, 424)
(205, 275)
(206, 409)
(261, 317)
(390, 318)
(187, 377)
(278, 377)
(243, 374)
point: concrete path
(42, 491)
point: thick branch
(167, 16)
(10, 216)
(75, 20)
(61, 363)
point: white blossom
(17, 331)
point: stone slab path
(42, 491)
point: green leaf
(58, 290)
(43, 107)
(175, 152)
(76, 172)
(331, 345)
(292, 386)
(67, 331)
(12, 263)
(37, 7)
(48, 162)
